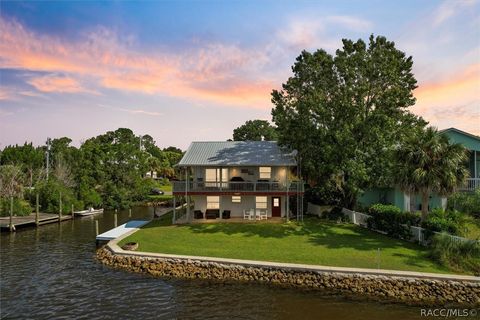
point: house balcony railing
(261, 186)
(471, 184)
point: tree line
(108, 170)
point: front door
(276, 207)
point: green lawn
(313, 242)
(472, 226)
(167, 187)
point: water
(50, 273)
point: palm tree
(428, 163)
(153, 165)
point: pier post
(60, 209)
(115, 219)
(129, 212)
(72, 211)
(174, 209)
(11, 215)
(37, 209)
(96, 227)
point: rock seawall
(403, 289)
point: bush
(450, 221)
(20, 207)
(49, 194)
(463, 256)
(467, 202)
(390, 219)
(336, 215)
(325, 194)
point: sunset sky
(183, 71)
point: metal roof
(236, 153)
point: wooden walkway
(24, 221)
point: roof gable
(470, 141)
(236, 153)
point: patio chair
(226, 214)
(212, 213)
(248, 214)
(262, 214)
(197, 214)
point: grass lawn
(167, 187)
(313, 242)
(472, 226)
(159, 197)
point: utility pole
(48, 156)
(141, 137)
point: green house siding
(383, 195)
(472, 143)
(396, 197)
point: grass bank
(313, 242)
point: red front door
(276, 207)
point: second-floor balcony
(471, 184)
(239, 187)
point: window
(276, 202)
(213, 202)
(213, 175)
(236, 199)
(261, 202)
(265, 172)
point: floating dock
(25, 221)
(121, 230)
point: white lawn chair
(248, 214)
(262, 215)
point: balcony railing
(471, 184)
(261, 186)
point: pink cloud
(102, 58)
(56, 84)
(452, 102)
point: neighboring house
(408, 202)
(236, 176)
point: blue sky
(183, 71)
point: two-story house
(238, 179)
(412, 202)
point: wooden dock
(25, 221)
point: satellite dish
(294, 153)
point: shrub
(392, 220)
(20, 207)
(336, 214)
(467, 202)
(450, 221)
(324, 194)
(462, 256)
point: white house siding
(236, 209)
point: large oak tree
(344, 113)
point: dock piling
(37, 210)
(96, 227)
(115, 219)
(72, 211)
(60, 209)
(130, 212)
(12, 228)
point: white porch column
(187, 197)
(174, 209)
(288, 198)
(475, 163)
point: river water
(51, 273)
